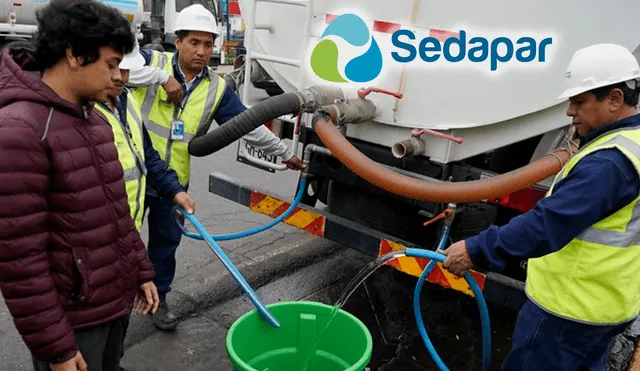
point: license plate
(245, 148)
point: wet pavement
(383, 303)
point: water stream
(365, 273)
(355, 282)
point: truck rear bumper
(497, 289)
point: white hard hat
(599, 65)
(133, 60)
(196, 18)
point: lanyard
(123, 120)
(121, 109)
(177, 113)
(121, 116)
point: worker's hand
(173, 89)
(147, 298)
(458, 261)
(294, 163)
(185, 201)
(76, 363)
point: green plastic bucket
(254, 345)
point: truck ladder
(251, 26)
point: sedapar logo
(430, 49)
(327, 58)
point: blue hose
(417, 310)
(249, 232)
(203, 235)
(410, 252)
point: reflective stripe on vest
(594, 278)
(130, 146)
(197, 115)
(631, 234)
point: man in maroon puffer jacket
(71, 260)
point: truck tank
(489, 104)
(19, 16)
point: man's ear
(616, 99)
(74, 62)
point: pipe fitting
(448, 221)
(307, 100)
(309, 149)
(408, 148)
(318, 96)
(353, 111)
(306, 158)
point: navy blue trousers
(164, 238)
(542, 341)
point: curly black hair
(83, 25)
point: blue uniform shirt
(599, 185)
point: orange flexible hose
(412, 188)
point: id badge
(177, 129)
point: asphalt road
(382, 303)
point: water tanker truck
(19, 18)
(428, 105)
(153, 20)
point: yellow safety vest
(594, 279)
(130, 145)
(196, 115)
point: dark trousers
(125, 327)
(100, 347)
(164, 238)
(542, 341)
